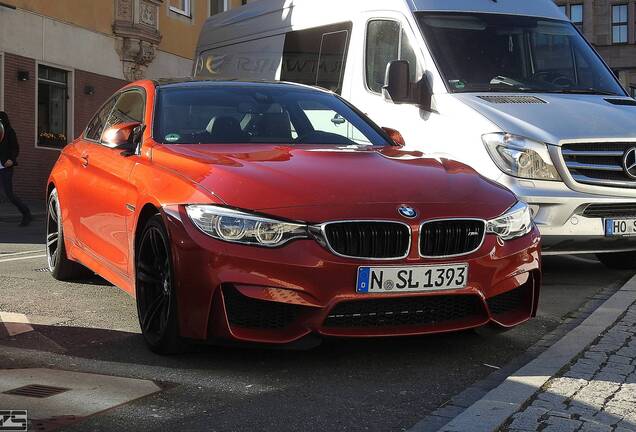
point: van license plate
(375, 280)
(620, 227)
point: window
(387, 41)
(564, 9)
(619, 24)
(52, 107)
(128, 109)
(317, 56)
(183, 7)
(258, 114)
(96, 125)
(218, 6)
(576, 15)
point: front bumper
(279, 296)
(559, 213)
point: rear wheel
(618, 260)
(61, 267)
(156, 299)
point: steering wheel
(554, 78)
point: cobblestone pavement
(597, 392)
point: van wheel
(618, 260)
(61, 267)
(156, 296)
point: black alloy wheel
(156, 300)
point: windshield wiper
(590, 91)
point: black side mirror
(396, 83)
(1, 131)
(399, 90)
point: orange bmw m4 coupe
(274, 212)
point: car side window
(317, 56)
(96, 125)
(128, 109)
(387, 41)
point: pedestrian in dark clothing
(9, 150)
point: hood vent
(525, 100)
(622, 102)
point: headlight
(516, 222)
(239, 227)
(521, 157)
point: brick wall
(36, 163)
(19, 103)
(87, 105)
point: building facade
(610, 25)
(60, 60)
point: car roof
(210, 82)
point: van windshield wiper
(590, 91)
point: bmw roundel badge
(407, 212)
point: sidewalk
(584, 382)
(595, 393)
(10, 214)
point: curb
(493, 410)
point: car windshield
(505, 53)
(259, 114)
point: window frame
(186, 12)
(115, 96)
(70, 103)
(619, 24)
(578, 24)
(226, 7)
(403, 32)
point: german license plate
(620, 227)
(374, 280)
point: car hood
(329, 178)
(561, 117)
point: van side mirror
(396, 136)
(399, 90)
(396, 83)
(124, 136)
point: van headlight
(516, 222)
(521, 157)
(238, 227)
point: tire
(156, 296)
(61, 267)
(618, 260)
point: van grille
(598, 164)
(451, 237)
(379, 240)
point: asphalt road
(376, 385)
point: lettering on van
(235, 66)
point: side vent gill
(622, 102)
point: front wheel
(618, 260)
(156, 299)
(61, 267)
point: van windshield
(505, 53)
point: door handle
(84, 159)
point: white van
(509, 87)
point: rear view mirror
(395, 136)
(124, 136)
(396, 84)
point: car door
(387, 37)
(107, 192)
